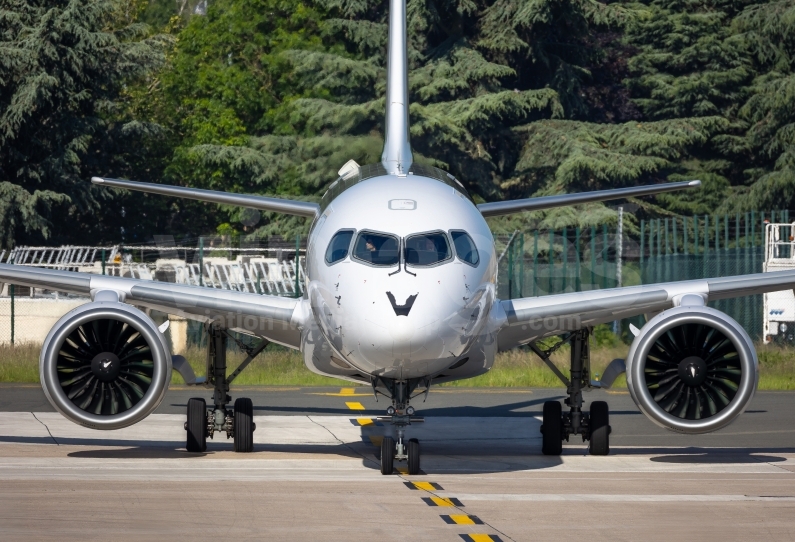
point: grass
(517, 368)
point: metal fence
(659, 250)
(531, 263)
(27, 314)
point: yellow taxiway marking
(481, 538)
(402, 470)
(344, 392)
(376, 440)
(425, 486)
(442, 501)
(365, 421)
(462, 519)
(355, 406)
(617, 392)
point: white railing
(255, 270)
(779, 241)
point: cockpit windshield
(427, 249)
(377, 249)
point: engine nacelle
(692, 369)
(105, 365)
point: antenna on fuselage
(396, 157)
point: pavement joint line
(364, 457)
(45, 427)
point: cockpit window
(427, 249)
(465, 247)
(338, 247)
(377, 249)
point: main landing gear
(237, 423)
(593, 426)
(400, 415)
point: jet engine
(692, 369)
(105, 365)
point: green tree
(63, 65)
(767, 32)
(224, 79)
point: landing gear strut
(400, 415)
(593, 426)
(238, 423)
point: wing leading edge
(279, 205)
(531, 318)
(276, 318)
(498, 208)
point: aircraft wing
(275, 318)
(531, 318)
(499, 208)
(291, 207)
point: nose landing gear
(400, 415)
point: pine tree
(63, 64)
(767, 32)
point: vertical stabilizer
(396, 157)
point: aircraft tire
(600, 428)
(196, 426)
(244, 425)
(552, 428)
(414, 456)
(387, 455)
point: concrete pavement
(314, 474)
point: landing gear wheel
(414, 456)
(387, 455)
(600, 428)
(552, 429)
(244, 425)
(196, 426)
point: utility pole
(619, 258)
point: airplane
(399, 294)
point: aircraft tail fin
(397, 157)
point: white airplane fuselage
(364, 330)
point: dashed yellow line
(402, 470)
(376, 440)
(481, 538)
(344, 392)
(462, 519)
(425, 486)
(355, 406)
(442, 501)
(365, 421)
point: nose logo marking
(402, 310)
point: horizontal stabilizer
(279, 205)
(498, 208)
